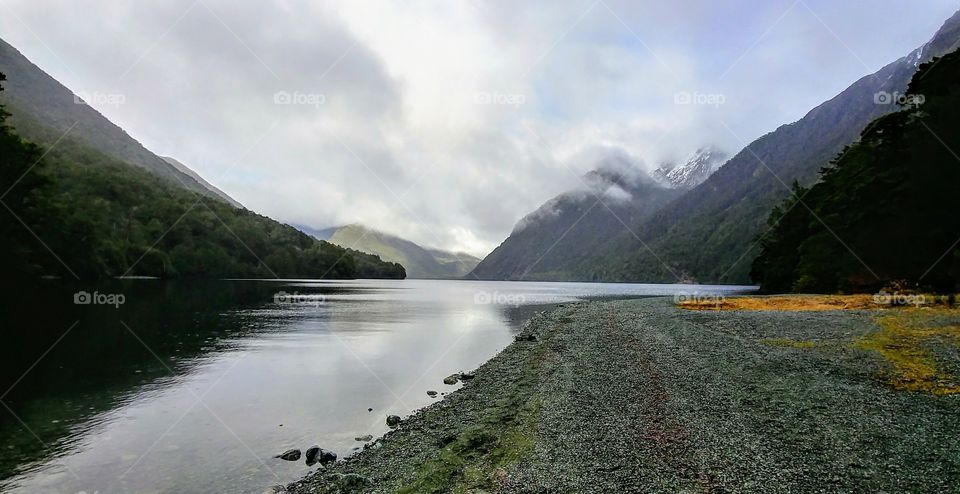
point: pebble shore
(641, 396)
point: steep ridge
(73, 210)
(196, 176)
(43, 111)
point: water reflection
(195, 386)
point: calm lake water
(194, 387)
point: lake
(155, 386)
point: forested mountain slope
(709, 233)
(74, 211)
(885, 213)
(44, 111)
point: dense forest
(70, 211)
(884, 212)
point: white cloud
(447, 122)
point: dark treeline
(885, 211)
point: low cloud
(447, 122)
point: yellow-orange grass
(901, 341)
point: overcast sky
(446, 122)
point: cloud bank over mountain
(446, 122)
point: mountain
(709, 233)
(693, 170)
(884, 214)
(418, 261)
(96, 204)
(194, 175)
(46, 112)
(554, 242)
(459, 263)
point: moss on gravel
(473, 460)
(905, 339)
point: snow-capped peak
(693, 170)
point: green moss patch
(478, 457)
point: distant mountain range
(419, 262)
(708, 233)
(698, 220)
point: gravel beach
(641, 396)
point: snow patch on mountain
(691, 171)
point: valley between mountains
(774, 315)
